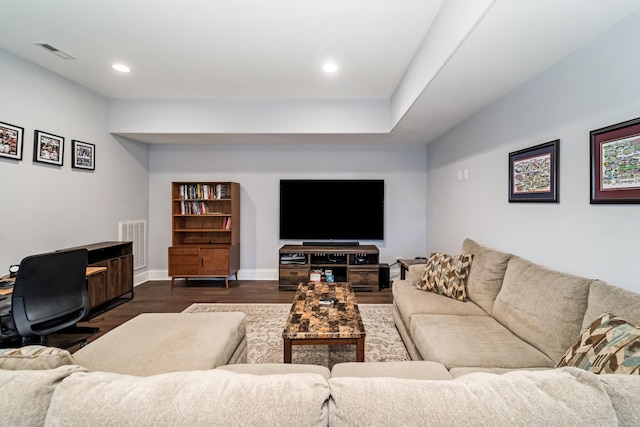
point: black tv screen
(332, 209)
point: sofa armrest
(415, 273)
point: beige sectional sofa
(299, 395)
(487, 361)
(517, 314)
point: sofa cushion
(447, 275)
(417, 370)
(153, 343)
(277, 368)
(623, 390)
(604, 297)
(542, 306)
(546, 398)
(486, 273)
(26, 394)
(35, 357)
(409, 301)
(458, 372)
(609, 345)
(195, 398)
(478, 341)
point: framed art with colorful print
(533, 173)
(615, 163)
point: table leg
(403, 269)
(360, 350)
(287, 350)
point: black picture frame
(615, 163)
(48, 148)
(11, 141)
(533, 173)
(83, 155)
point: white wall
(45, 207)
(595, 87)
(259, 167)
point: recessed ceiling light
(121, 67)
(330, 67)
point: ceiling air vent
(57, 52)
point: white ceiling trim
(455, 21)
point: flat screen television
(332, 209)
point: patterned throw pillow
(446, 275)
(33, 357)
(611, 345)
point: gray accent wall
(45, 207)
(590, 89)
(259, 167)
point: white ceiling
(434, 61)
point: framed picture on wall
(11, 138)
(615, 163)
(83, 155)
(533, 173)
(48, 148)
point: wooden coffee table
(312, 323)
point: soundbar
(330, 243)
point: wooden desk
(95, 270)
(91, 271)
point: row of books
(203, 191)
(196, 208)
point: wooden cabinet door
(364, 276)
(214, 261)
(97, 289)
(291, 276)
(125, 267)
(184, 261)
(112, 277)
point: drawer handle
(294, 273)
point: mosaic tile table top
(311, 319)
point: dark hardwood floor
(158, 297)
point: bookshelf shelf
(205, 230)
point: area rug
(265, 323)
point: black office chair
(50, 293)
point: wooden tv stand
(358, 265)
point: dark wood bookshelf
(205, 230)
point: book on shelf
(194, 208)
(226, 223)
(221, 191)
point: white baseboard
(139, 278)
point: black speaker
(383, 276)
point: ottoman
(154, 343)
